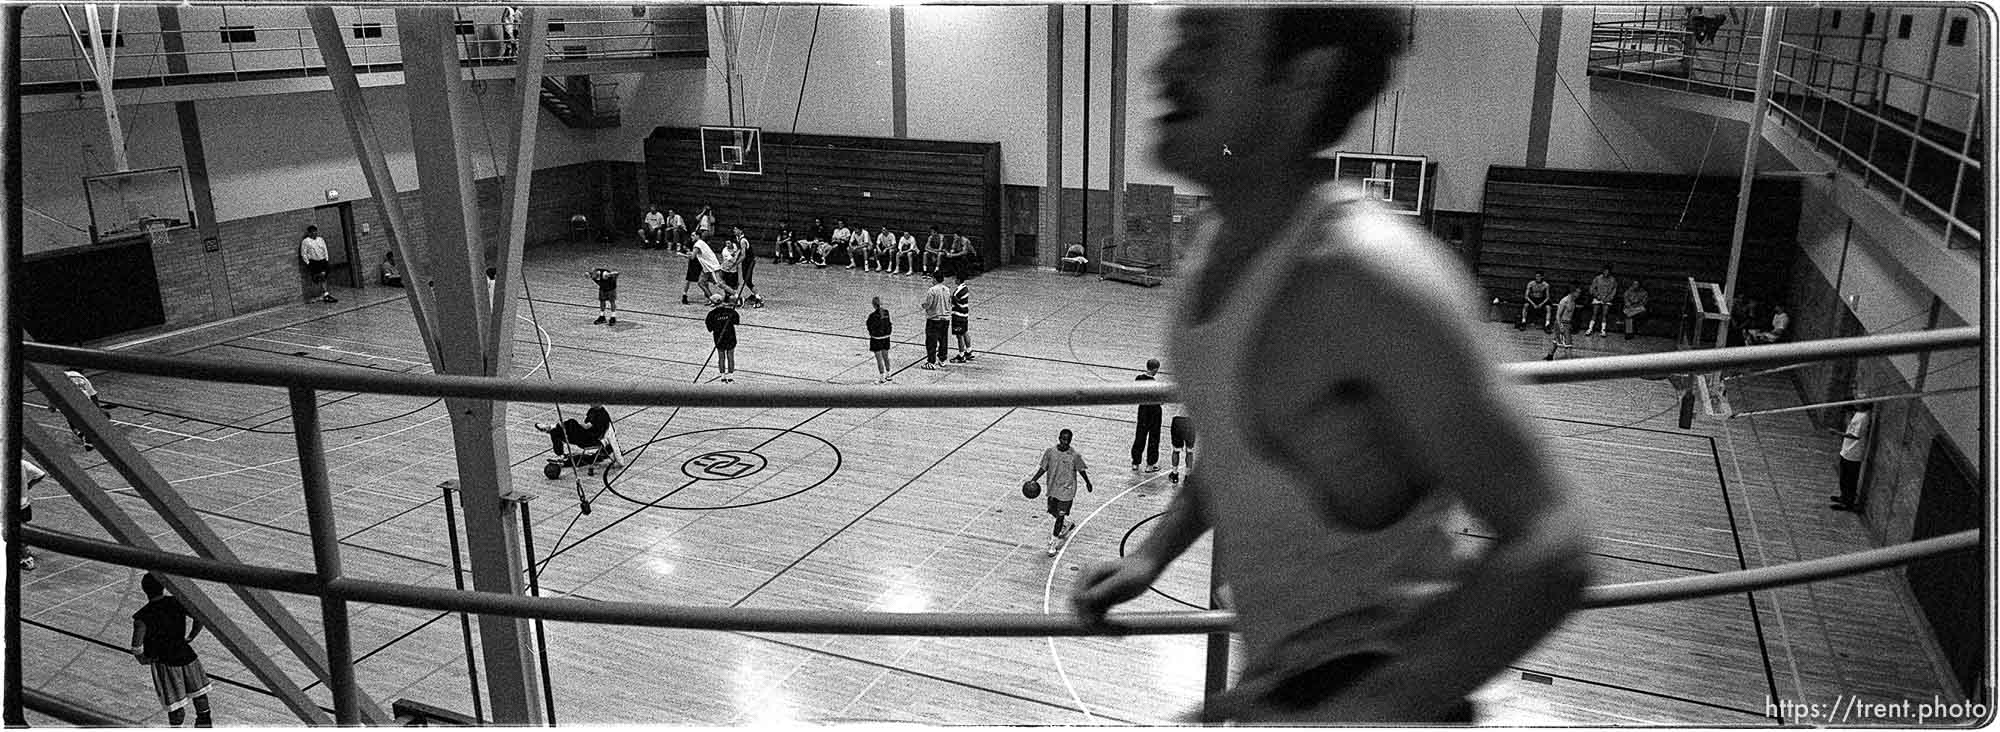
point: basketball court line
(1048, 591)
(871, 508)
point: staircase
(580, 102)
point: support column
(1051, 238)
(438, 107)
(1767, 59)
(375, 169)
(899, 72)
(1542, 104)
(1120, 26)
(195, 162)
(514, 206)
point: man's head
(1268, 85)
(1152, 366)
(312, 231)
(958, 277)
(937, 276)
(1538, 276)
(151, 585)
(1062, 440)
(876, 301)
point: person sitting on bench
(1075, 256)
(591, 433)
(1780, 322)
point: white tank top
(1306, 590)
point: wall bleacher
(898, 183)
(1661, 228)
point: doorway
(343, 255)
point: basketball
(1031, 489)
(715, 299)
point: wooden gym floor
(914, 510)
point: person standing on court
(1146, 435)
(607, 295)
(162, 639)
(1180, 433)
(312, 250)
(1341, 450)
(878, 340)
(1062, 464)
(1853, 449)
(937, 322)
(722, 325)
(961, 317)
(1563, 338)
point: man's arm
(1428, 395)
(139, 640)
(194, 621)
(1105, 584)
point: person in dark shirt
(607, 295)
(1146, 437)
(722, 324)
(596, 422)
(161, 637)
(878, 341)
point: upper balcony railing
(51, 62)
(1901, 113)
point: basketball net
(722, 174)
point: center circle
(723, 465)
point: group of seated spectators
(1593, 305)
(887, 250)
(1755, 324)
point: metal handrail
(573, 390)
(1973, 95)
(832, 622)
(1853, 108)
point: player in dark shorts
(693, 275)
(878, 341)
(722, 323)
(607, 295)
(1180, 434)
(961, 318)
(746, 268)
(161, 640)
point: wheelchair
(585, 457)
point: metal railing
(52, 61)
(334, 590)
(1915, 138)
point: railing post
(1215, 669)
(11, 239)
(326, 554)
(520, 502)
(458, 580)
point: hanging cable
(548, 368)
(1703, 165)
(556, 548)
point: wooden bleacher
(1662, 228)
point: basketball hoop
(722, 171)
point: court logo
(723, 465)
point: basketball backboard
(732, 150)
(1399, 182)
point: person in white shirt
(1853, 449)
(1780, 323)
(652, 228)
(312, 250)
(906, 254)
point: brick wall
(257, 265)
